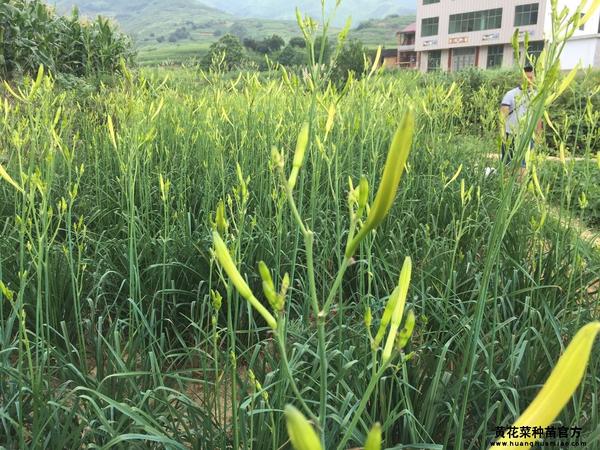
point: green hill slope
(375, 32)
(176, 30)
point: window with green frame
(534, 49)
(429, 26)
(526, 14)
(495, 56)
(533, 52)
(476, 21)
(434, 60)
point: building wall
(503, 35)
(390, 61)
(591, 28)
(583, 47)
(583, 51)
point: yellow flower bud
(230, 269)
(301, 145)
(216, 299)
(373, 441)
(560, 386)
(285, 284)
(302, 435)
(4, 174)
(368, 317)
(407, 331)
(221, 219)
(392, 172)
(403, 284)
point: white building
(455, 34)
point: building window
(526, 14)
(429, 26)
(532, 53)
(534, 49)
(476, 21)
(434, 60)
(495, 56)
(463, 58)
(582, 26)
(429, 2)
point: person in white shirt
(512, 110)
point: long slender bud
(392, 172)
(302, 435)
(403, 284)
(301, 145)
(373, 441)
(238, 281)
(560, 386)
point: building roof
(387, 52)
(410, 28)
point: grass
(177, 53)
(119, 327)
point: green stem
(288, 373)
(363, 403)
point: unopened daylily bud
(301, 433)
(363, 194)
(403, 285)
(368, 317)
(385, 318)
(559, 387)
(407, 331)
(285, 284)
(216, 299)
(301, 145)
(373, 441)
(4, 174)
(238, 281)
(388, 186)
(277, 158)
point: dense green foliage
(225, 54)
(31, 34)
(107, 336)
(575, 114)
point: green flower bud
(368, 317)
(392, 172)
(216, 299)
(403, 285)
(407, 331)
(238, 281)
(373, 441)
(301, 433)
(301, 145)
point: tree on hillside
(250, 44)
(350, 59)
(274, 43)
(298, 42)
(292, 56)
(227, 53)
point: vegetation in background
(186, 253)
(31, 35)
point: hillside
(375, 32)
(179, 29)
(153, 21)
